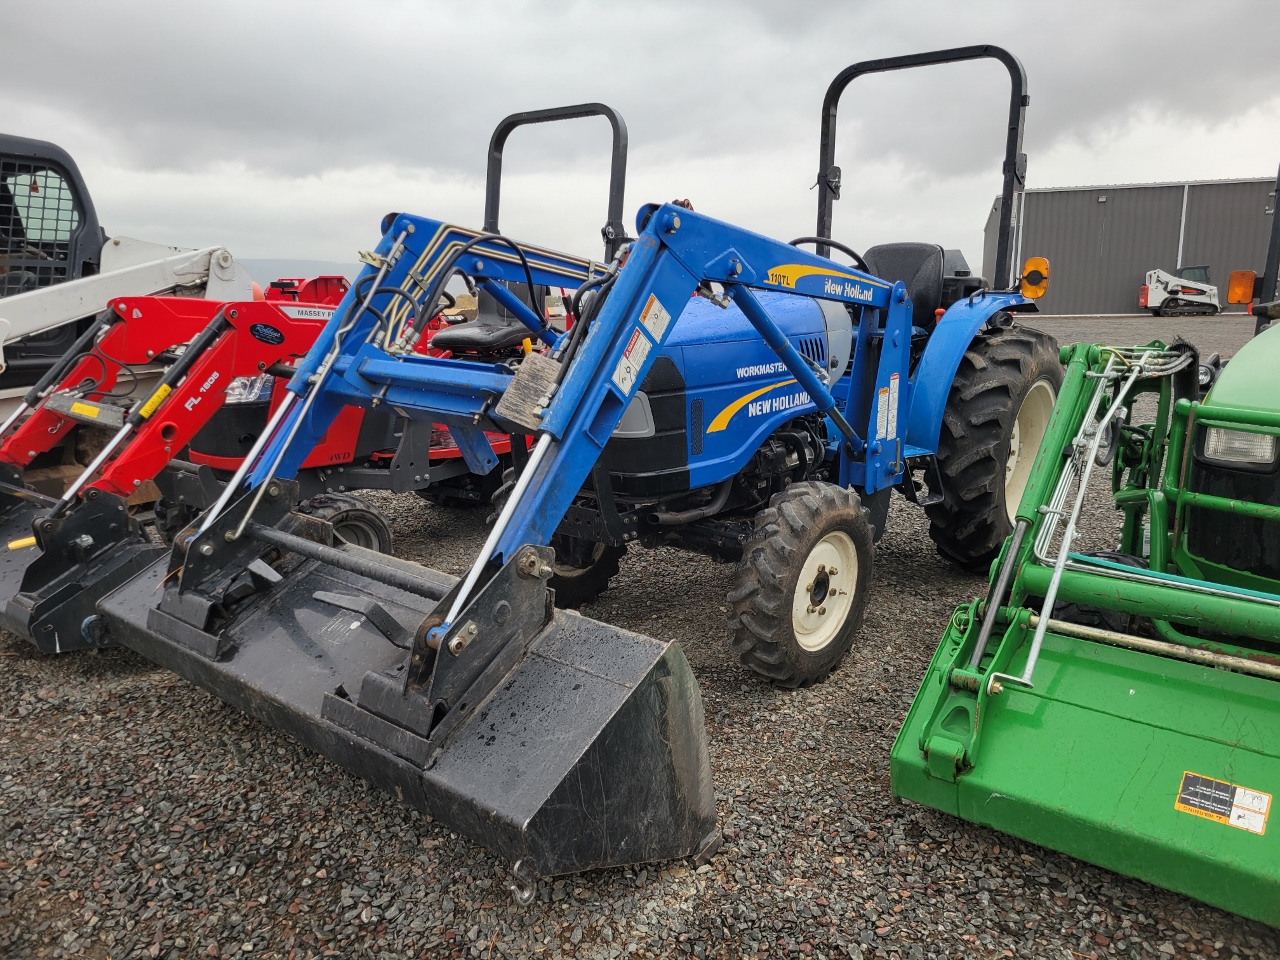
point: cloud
(288, 129)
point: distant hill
(264, 271)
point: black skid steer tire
(582, 569)
(778, 621)
(1003, 367)
(354, 520)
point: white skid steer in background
(1186, 292)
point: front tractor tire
(997, 414)
(355, 521)
(801, 587)
(582, 569)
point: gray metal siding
(1100, 252)
(1227, 228)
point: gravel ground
(141, 817)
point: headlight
(1206, 375)
(1238, 446)
(250, 389)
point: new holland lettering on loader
(559, 742)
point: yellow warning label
(157, 398)
(1223, 802)
(86, 409)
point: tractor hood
(1248, 382)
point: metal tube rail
(1209, 658)
(1069, 532)
(349, 561)
(540, 451)
(317, 379)
(997, 595)
(145, 407)
(247, 464)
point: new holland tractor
(560, 742)
(1123, 706)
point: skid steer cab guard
(1122, 706)
(559, 742)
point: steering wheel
(849, 252)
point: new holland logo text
(758, 408)
(851, 291)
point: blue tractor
(719, 390)
(722, 451)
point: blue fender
(941, 360)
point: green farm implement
(1123, 707)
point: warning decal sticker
(655, 317)
(628, 368)
(1223, 802)
(893, 407)
(882, 412)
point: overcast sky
(288, 129)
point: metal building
(1101, 241)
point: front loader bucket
(53, 570)
(555, 741)
(1147, 765)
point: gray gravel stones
(141, 817)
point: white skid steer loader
(1186, 292)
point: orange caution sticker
(1223, 802)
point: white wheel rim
(824, 593)
(1029, 428)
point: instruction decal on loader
(628, 368)
(85, 409)
(887, 410)
(655, 317)
(1223, 802)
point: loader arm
(677, 251)
(137, 331)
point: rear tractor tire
(997, 414)
(582, 569)
(801, 587)
(354, 521)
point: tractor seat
(494, 329)
(919, 266)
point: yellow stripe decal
(157, 398)
(724, 416)
(22, 544)
(786, 275)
